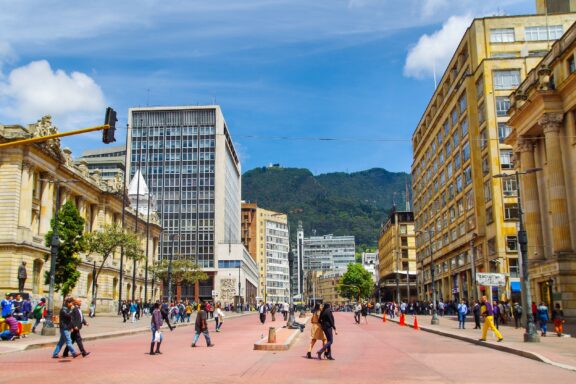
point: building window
(487, 191)
(446, 128)
(502, 106)
(502, 35)
(485, 166)
(459, 184)
(480, 88)
(439, 137)
(509, 186)
(456, 138)
(506, 79)
(504, 131)
(470, 199)
(511, 244)
(483, 139)
(506, 160)
(492, 246)
(571, 65)
(464, 126)
(513, 267)
(504, 55)
(468, 175)
(457, 161)
(539, 33)
(465, 152)
(511, 212)
(481, 114)
(489, 215)
(454, 115)
(462, 103)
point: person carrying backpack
(38, 313)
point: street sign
(491, 279)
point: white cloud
(34, 90)
(433, 52)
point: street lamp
(435, 320)
(397, 278)
(530, 335)
(473, 256)
(174, 238)
(239, 306)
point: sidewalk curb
(106, 336)
(262, 345)
(498, 347)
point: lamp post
(239, 306)
(473, 261)
(397, 279)
(530, 335)
(174, 238)
(435, 320)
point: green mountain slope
(337, 203)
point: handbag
(157, 337)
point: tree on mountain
(72, 243)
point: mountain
(332, 203)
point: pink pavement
(368, 353)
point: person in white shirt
(262, 311)
(218, 317)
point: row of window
(536, 33)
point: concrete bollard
(272, 335)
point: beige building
(324, 286)
(265, 235)
(544, 136)
(461, 211)
(27, 205)
(397, 258)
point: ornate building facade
(28, 175)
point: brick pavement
(559, 351)
(98, 327)
(366, 353)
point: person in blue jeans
(543, 318)
(65, 327)
(462, 312)
(327, 323)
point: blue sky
(286, 72)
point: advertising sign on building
(491, 279)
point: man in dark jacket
(78, 321)
(327, 323)
(65, 327)
(201, 327)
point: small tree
(184, 271)
(72, 242)
(356, 282)
(106, 242)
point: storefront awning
(515, 286)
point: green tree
(356, 282)
(106, 242)
(184, 271)
(72, 243)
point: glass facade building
(189, 162)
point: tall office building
(265, 234)
(463, 214)
(187, 157)
(328, 253)
(109, 161)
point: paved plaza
(366, 353)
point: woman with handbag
(316, 331)
(155, 325)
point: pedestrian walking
(488, 312)
(262, 311)
(201, 327)
(155, 324)
(92, 310)
(38, 313)
(188, 310)
(496, 314)
(65, 329)
(543, 318)
(357, 310)
(364, 312)
(328, 325)
(77, 322)
(164, 313)
(133, 308)
(218, 317)
(273, 311)
(462, 312)
(316, 332)
(124, 310)
(476, 312)
(558, 319)
(517, 313)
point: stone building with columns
(465, 216)
(27, 206)
(544, 136)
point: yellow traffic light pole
(54, 136)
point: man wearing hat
(7, 305)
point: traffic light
(110, 120)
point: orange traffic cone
(402, 322)
(383, 317)
(415, 323)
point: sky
(328, 85)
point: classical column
(570, 122)
(26, 191)
(551, 124)
(46, 204)
(530, 200)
